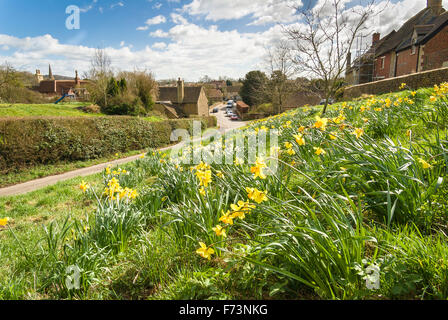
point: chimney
(375, 38)
(77, 82)
(349, 60)
(180, 91)
(436, 6)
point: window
(414, 49)
(383, 61)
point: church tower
(50, 73)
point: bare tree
(281, 69)
(99, 74)
(321, 43)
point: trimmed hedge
(44, 140)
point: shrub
(93, 108)
(42, 140)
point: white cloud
(159, 45)
(260, 11)
(157, 6)
(159, 33)
(190, 51)
(156, 20)
(178, 19)
(152, 21)
(193, 51)
(89, 7)
(118, 4)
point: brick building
(59, 87)
(421, 44)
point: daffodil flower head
(204, 251)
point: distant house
(187, 101)
(214, 95)
(51, 86)
(421, 44)
(233, 92)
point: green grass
(54, 110)
(35, 110)
(367, 205)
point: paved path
(225, 125)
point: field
(72, 109)
(356, 208)
(58, 110)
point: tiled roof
(213, 93)
(402, 38)
(170, 94)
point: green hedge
(43, 140)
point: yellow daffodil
(257, 170)
(204, 251)
(256, 195)
(333, 135)
(226, 218)
(84, 186)
(358, 132)
(319, 151)
(433, 99)
(220, 231)
(4, 222)
(299, 139)
(204, 177)
(321, 123)
(424, 164)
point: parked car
(234, 117)
(216, 110)
(330, 101)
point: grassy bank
(356, 209)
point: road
(224, 123)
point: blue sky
(172, 38)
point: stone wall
(414, 81)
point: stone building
(187, 101)
(421, 44)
